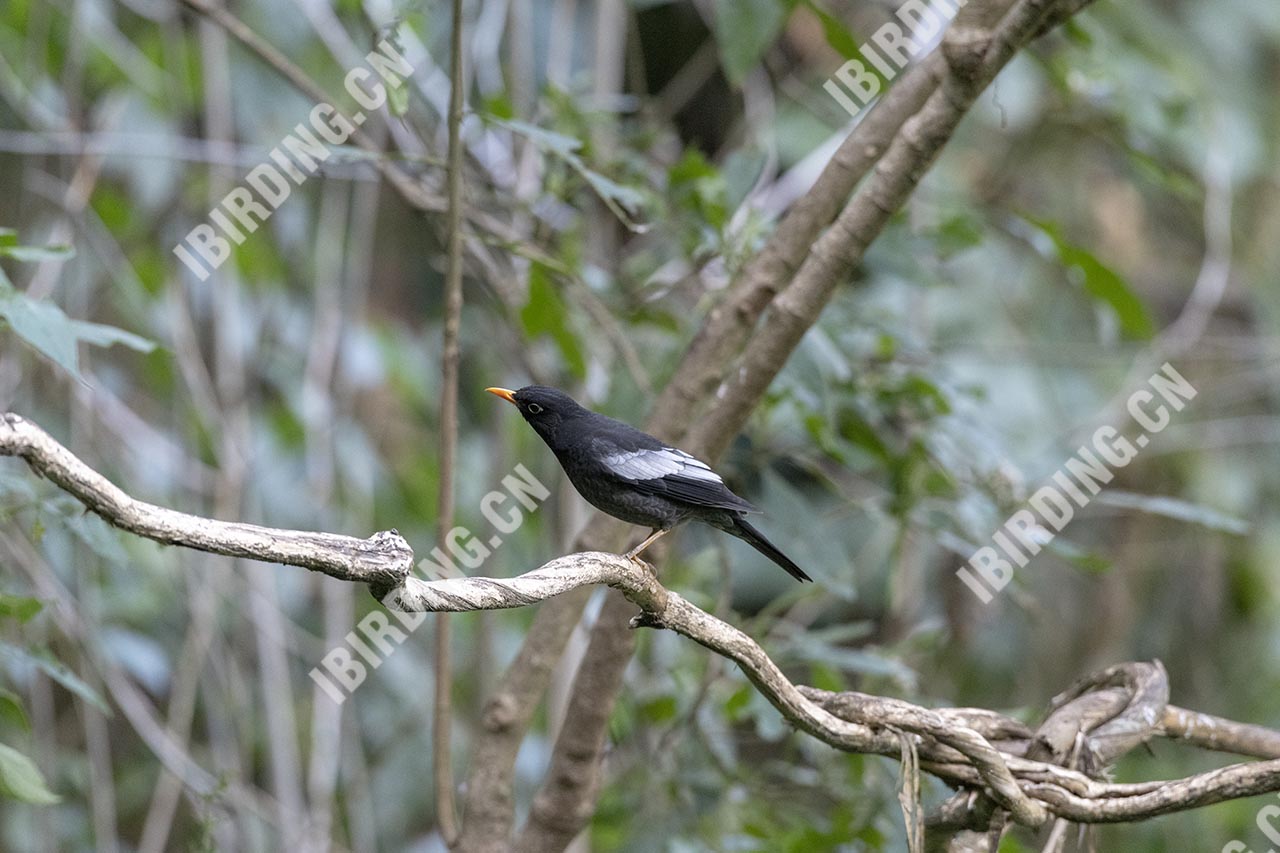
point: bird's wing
(671, 473)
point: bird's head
(544, 408)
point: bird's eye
(535, 409)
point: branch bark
(971, 748)
(566, 800)
(973, 57)
(442, 715)
(729, 325)
(383, 559)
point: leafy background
(1027, 285)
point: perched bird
(635, 477)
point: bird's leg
(634, 553)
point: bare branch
(382, 560)
(957, 745)
(1115, 710)
(590, 568)
(1209, 732)
(1204, 789)
(442, 716)
(565, 801)
(1031, 791)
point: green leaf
(102, 335)
(857, 430)
(547, 140)
(1102, 283)
(745, 29)
(42, 325)
(839, 36)
(9, 248)
(31, 254)
(499, 104)
(11, 709)
(398, 99)
(957, 233)
(55, 335)
(1077, 556)
(22, 780)
(737, 703)
(546, 314)
(19, 607)
(695, 185)
(660, 709)
(624, 202)
(46, 663)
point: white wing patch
(652, 464)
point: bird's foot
(642, 565)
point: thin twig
(442, 719)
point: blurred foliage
(41, 324)
(982, 340)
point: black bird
(633, 476)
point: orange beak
(509, 396)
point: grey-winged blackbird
(635, 477)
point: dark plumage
(635, 477)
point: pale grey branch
(974, 749)
(382, 559)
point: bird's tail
(744, 531)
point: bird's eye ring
(535, 409)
